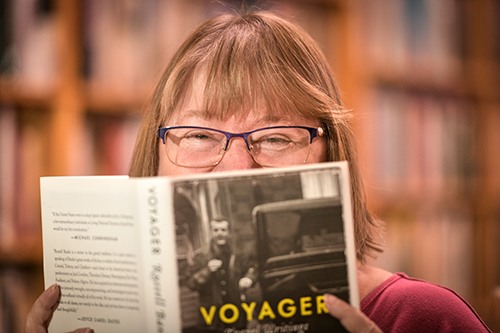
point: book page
(91, 239)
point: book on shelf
(8, 147)
(119, 38)
(420, 143)
(110, 144)
(421, 38)
(22, 142)
(16, 298)
(242, 251)
(29, 45)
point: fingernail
(57, 289)
(54, 288)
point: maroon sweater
(402, 304)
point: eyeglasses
(199, 147)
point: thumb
(43, 309)
(41, 313)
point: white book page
(91, 234)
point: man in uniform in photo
(221, 275)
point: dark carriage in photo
(300, 254)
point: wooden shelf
(484, 78)
(16, 92)
(420, 82)
(99, 100)
(31, 253)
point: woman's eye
(273, 141)
(199, 136)
(277, 139)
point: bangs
(245, 64)
(251, 68)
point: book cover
(245, 251)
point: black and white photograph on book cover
(256, 253)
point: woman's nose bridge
(243, 136)
(237, 156)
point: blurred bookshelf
(422, 77)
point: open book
(246, 251)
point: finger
(41, 313)
(351, 318)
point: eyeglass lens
(194, 147)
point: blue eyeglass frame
(313, 132)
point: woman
(242, 73)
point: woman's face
(237, 156)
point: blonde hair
(250, 61)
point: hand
(351, 318)
(245, 283)
(41, 313)
(214, 265)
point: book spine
(159, 255)
(8, 144)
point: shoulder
(400, 288)
(401, 302)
